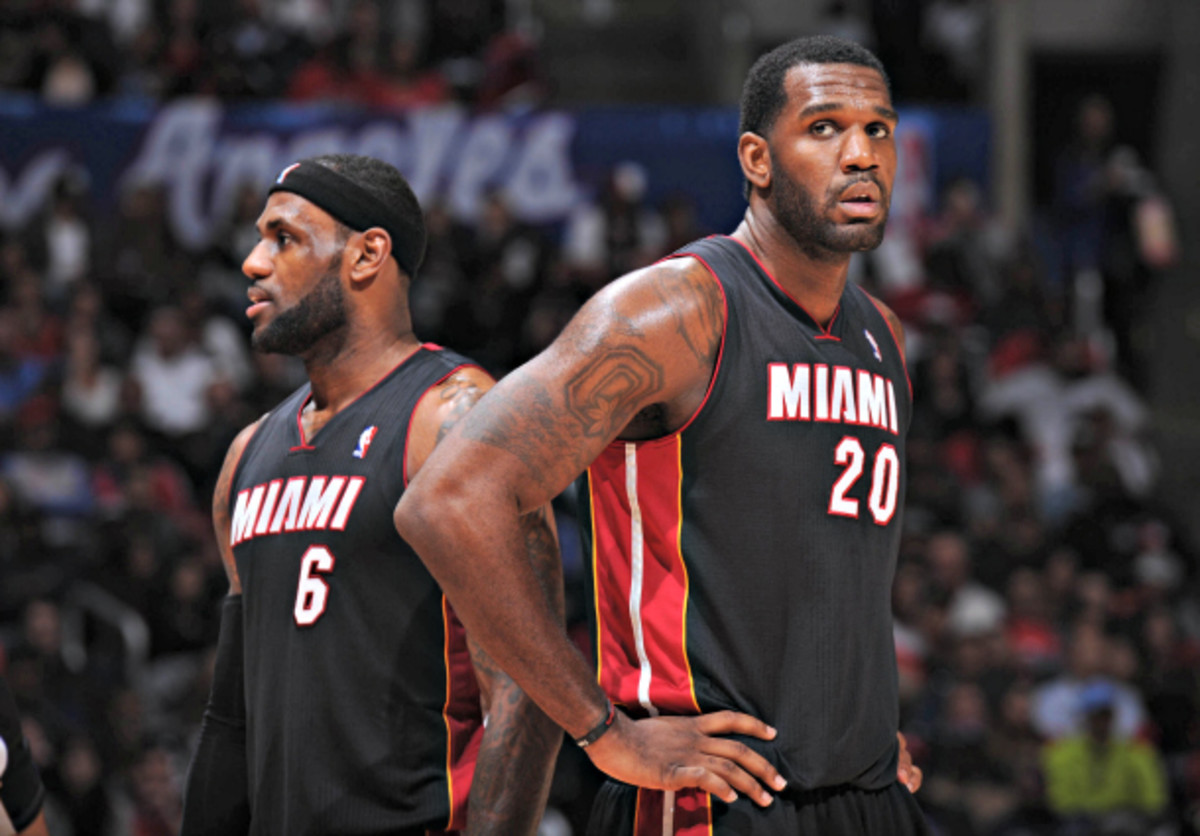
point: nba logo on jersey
(874, 345)
(364, 441)
(285, 172)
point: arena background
(1041, 253)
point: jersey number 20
(312, 591)
(885, 481)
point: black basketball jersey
(362, 706)
(745, 562)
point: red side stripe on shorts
(640, 578)
(692, 815)
(461, 713)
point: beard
(319, 312)
(809, 225)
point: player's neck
(815, 280)
(360, 361)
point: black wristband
(600, 728)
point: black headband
(356, 207)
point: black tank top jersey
(745, 562)
(362, 707)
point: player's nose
(258, 263)
(858, 152)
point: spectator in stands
(1032, 637)
(619, 232)
(1056, 702)
(155, 788)
(174, 376)
(1112, 784)
(21, 375)
(132, 474)
(143, 264)
(972, 608)
(40, 329)
(49, 478)
(65, 239)
(78, 786)
(90, 392)
(217, 337)
(88, 312)
(965, 246)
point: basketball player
(344, 699)
(21, 792)
(738, 414)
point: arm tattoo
(698, 309)
(528, 430)
(604, 394)
(462, 394)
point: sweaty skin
(635, 363)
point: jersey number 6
(312, 592)
(885, 481)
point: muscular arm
(518, 739)
(217, 795)
(644, 345)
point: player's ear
(755, 158)
(367, 252)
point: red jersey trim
(304, 445)
(598, 639)
(640, 580)
(712, 381)
(825, 330)
(417, 405)
(687, 583)
(895, 341)
(236, 465)
(463, 736)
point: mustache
(861, 177)
(836, 191)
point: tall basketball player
(738, 413)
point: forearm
(216, 798)
(473, 542)
(520, 740)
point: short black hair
(763, 96)
(383, 180)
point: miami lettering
(838, 394)
(302, 503)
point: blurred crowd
(396, 53)
(1046, 600)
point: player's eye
(824, 128)
(878, 130)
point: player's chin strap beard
(356, 207)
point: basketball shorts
(623, 810)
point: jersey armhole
(417, 406)
(895, 341)
(712, 380)
(241, 457)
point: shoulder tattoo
(698, 307)
(461, 393)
